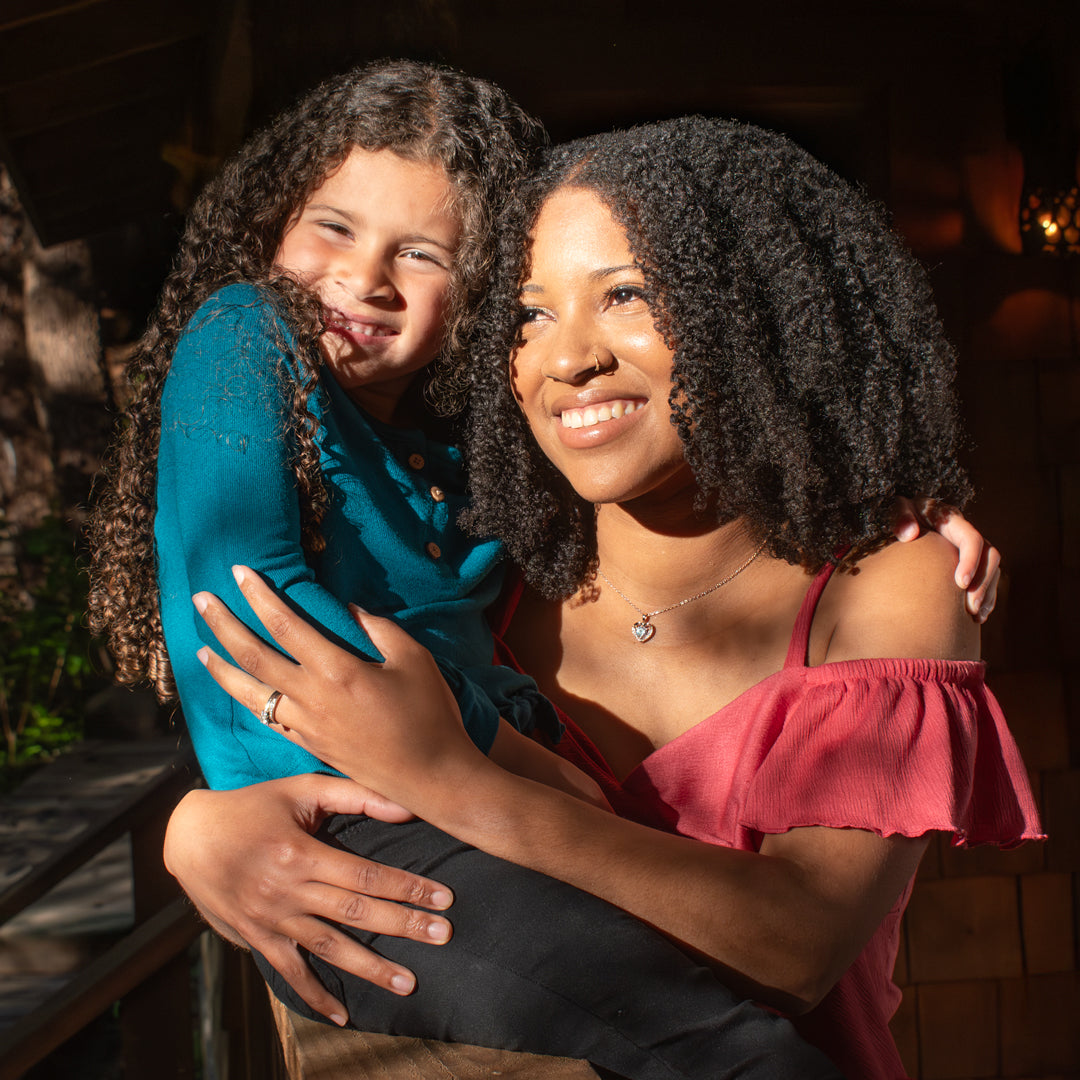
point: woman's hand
(394, 726)
(249, 863)
(978, 565)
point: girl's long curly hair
(427, 113)
(811, 381)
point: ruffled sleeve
(895, 746)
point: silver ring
(270, 709)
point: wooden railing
(64, 815)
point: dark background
(113, 112)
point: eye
(527, 314)
(419, 255)
(336, 227)
(626, 294)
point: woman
(723, 372)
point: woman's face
(592, 375)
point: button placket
(416, 462)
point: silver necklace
(643, 629)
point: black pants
(537, 965)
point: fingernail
(441, 898)
(204, 655)
(199, 600)
(984, 613)
(438, 931)
(403, 984)
(238, 573)
(356, 609)
(963, 580)
(338, 1019)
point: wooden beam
(80, 37)
(17, 12)
(67, 96)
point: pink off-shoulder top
(891, 746)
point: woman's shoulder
(901, 601)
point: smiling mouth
(359, 329)
(599, 414)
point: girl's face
(376, 244)
(608, 431)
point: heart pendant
(643, 630)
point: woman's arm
(519, 754)
(301, 881)
(784, 923)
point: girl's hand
(249, 863)
(978, 565)
(394, 726)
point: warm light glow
(1050, 221)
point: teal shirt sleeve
(226, 495)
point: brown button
(416, 461)
(433, 549)
(438, 494)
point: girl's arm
(978, 562)
(784, 924)
(226, 492)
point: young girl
(276, 420)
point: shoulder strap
(800, 636)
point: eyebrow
(595, 275)
(415, 238)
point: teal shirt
(226, 494)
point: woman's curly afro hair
(811, 379)
(422, 112)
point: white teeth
(365, 329)
(592, 415)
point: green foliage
(45, 671)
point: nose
(366, 275)
(575, 356)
